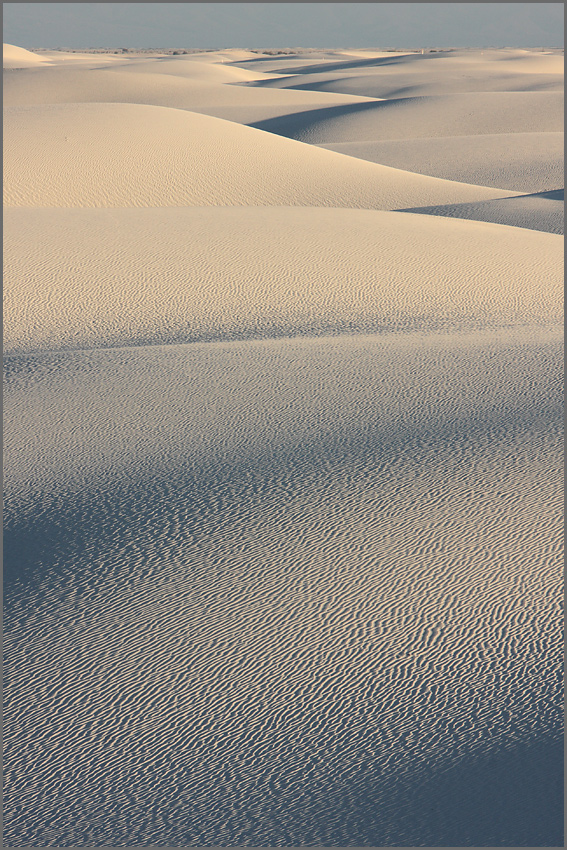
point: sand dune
(426, 117)
(17, 57)
(412, 84)
(296, 61)
(196, 93)
(230, 54)
(543, 211)
(522, 162)
(82, 278)
(488, 63)
(282, 457)
(197, 68)
(417, 75)
(124, 155)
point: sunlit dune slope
(18, 57)
(80, 278)
(194, 92)
(124, 155)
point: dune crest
(18, 57)
(124, 155)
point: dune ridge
(426, 117)
(18, 57)
(123, 155)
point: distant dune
(17, 57)
(442, 72)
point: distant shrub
(275, 52)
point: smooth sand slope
(522, 162)
(17, 57)
(215, 94)
(123, 155)
(282, 462)
(82, 278)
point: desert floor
(282, 413)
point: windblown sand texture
(282, 397)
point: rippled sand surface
(282, 484)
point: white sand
(524, 162)
(471, 113)
(17, 57)
(210, 94)
(124, 155)
(83, 278)
(281, 485)
(393, 76)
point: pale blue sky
(284, 24)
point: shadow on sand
(330, 67)
(291, 125)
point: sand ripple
(264, 592)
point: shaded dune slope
(412, 85)
(544, 211)
(521, 162)
(426, 117)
